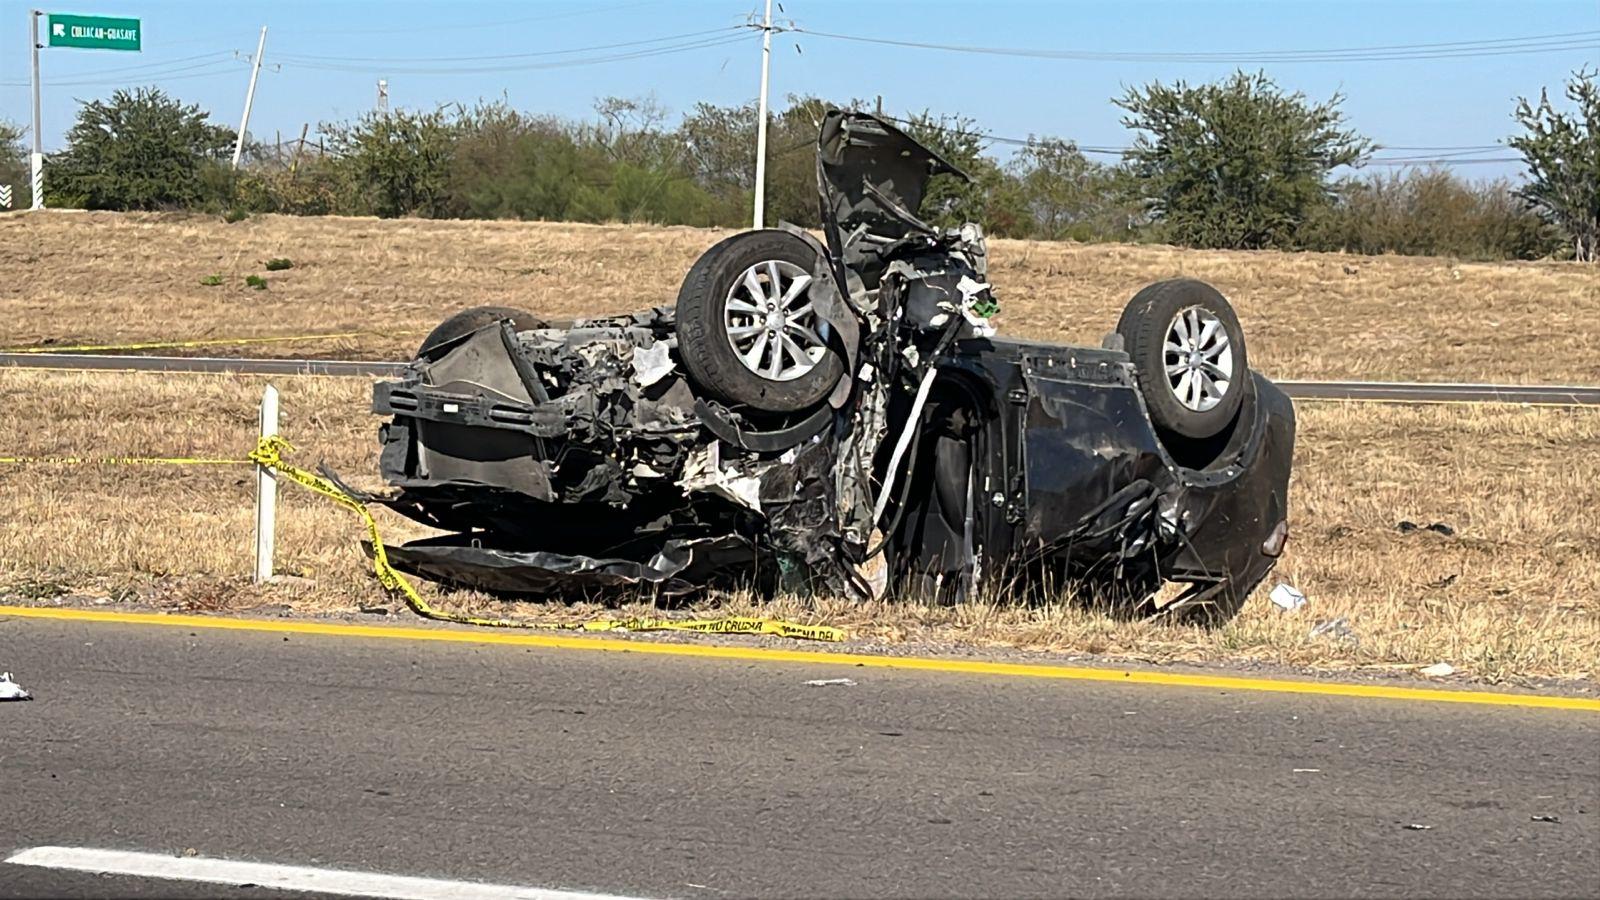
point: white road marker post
(266, 492)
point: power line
(359, 32)
(212, 67)
(301, 57)
(1576, 40)
(117, 70)
(703, 43)
(1445, 158)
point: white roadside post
(761, 119)
(266, 492)
(36, 158)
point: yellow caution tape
(269, 454)
(208, 342)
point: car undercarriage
(838, 415)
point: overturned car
(838, 415)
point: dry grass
(1515, 593)
(71, 278)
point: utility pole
(761, 119)
(249, 97)
(36, 159)
(383, 96)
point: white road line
(288, 878)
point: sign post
(84, 32)
(36, 158)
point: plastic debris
(1336, 629)
(830, 682)
(1556, 820)
(1438, 670)
(1415, 827)
(1287, 598)
(652, 364)
(10, 690)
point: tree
(1562, 152)
(1237, 163)
(396, 163)
(720, 144)
(1067, 195)
(14, 164)
(139, 150)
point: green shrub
(1429, 212)
(141, 150)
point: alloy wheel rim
(770, 322)
(1197, 356)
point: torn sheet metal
(678, 568)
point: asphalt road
(1370, 391)
(680, 777)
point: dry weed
(1515, 592)
(107, 278)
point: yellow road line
(764, 654)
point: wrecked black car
(838, 415)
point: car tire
(467, 321)
(746, 334)
(1188, 356)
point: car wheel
(747, 331)
(1188, 355)
(467, 321)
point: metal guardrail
(1349, 391)
(103, 362)
(1423, 392)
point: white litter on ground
(1287, 598)
(10, 690)
(829, 682)
(1438, 670)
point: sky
(323, 59)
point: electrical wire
(429, 29)
(207, 69)
(1442, 158)
(301, 57)
(117, 70)
(1577, 40)
(212, 73)
(559, 64)
(135, 73)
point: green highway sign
(94, 32)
